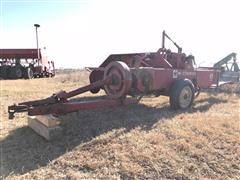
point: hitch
(16, 108)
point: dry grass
(145, 141)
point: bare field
(144, 141)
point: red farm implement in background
(123, 75)
(24, 63)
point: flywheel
(120, 77)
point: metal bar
(163, 39)
(88, 87)
(63, 108)
(49, 100)
(178, 47)
(90, 69)
(62, 96)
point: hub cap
(185, 97)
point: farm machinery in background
(24, 63)
(125, 78)
(229, 73)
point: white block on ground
(49, 133)
(47, 120)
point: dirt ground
(144, 141)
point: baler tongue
(117, 82)
(26, 106)
(16, 108)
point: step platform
(47, 126)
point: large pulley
(120, 77)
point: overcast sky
(79, 33)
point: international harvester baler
(126, 77)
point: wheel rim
(30, 73)
(185, 97)
(121, 79)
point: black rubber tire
(16, 72)
(5, 71)
(175, 94)
(28, 73)
(94, 78)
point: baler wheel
(121, 79)
(181, 94)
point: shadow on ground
(23, 150)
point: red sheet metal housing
(19, 63)
(19, 53)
